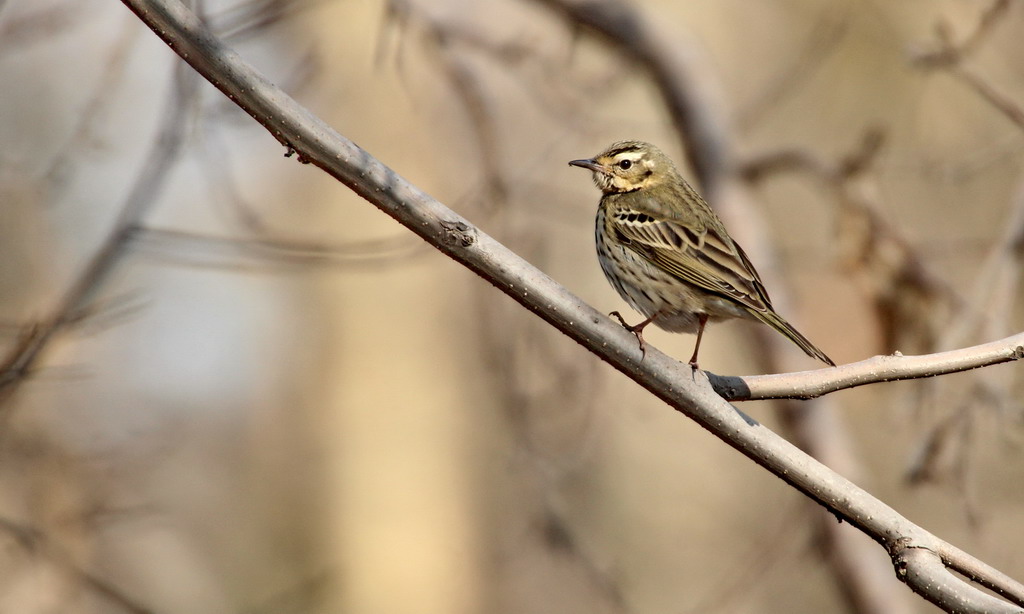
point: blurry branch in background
(556, 91)
(20, 361)
(952, 52)
(443, 41)
(79, 301)
(950, 56)
(912, 302)
(825, 37)
(779, 548)
(987, 313)
(70, 154)
(37, 544)
(253, 17)
(921, 559)
(301, 598)
(687, 98)
(560, 539)
(38, 25)
(996, 288)
(263, 253)
(988, 310)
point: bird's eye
(625, 164)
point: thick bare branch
(685, 390)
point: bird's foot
(636, 329)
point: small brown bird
(667, 253)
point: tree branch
(685, 390)
(811, 384)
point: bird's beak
(590, 165)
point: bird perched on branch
(666, 252)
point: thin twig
(811, 384)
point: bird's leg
(702, 319)
(636, 329)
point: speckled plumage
(668, 254)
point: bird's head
(628, 166)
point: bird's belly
(651, 291)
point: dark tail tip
(778, 323)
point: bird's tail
(776, 321)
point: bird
(668, 254)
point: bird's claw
(637, 331)
(618, 316)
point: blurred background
(231, 385)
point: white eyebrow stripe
(632, 156)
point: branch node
(458, 233)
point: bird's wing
(697, 253)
